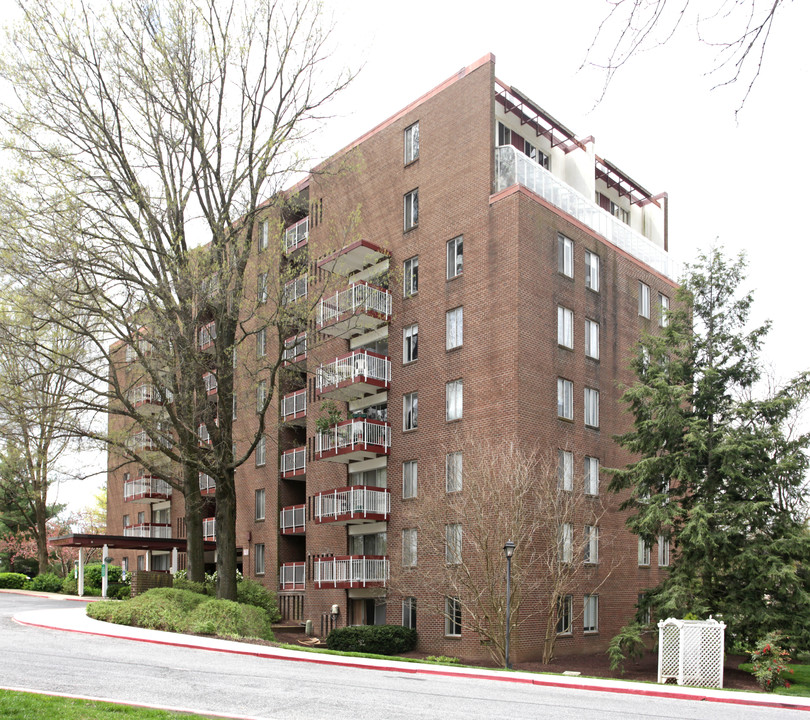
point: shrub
(92, 575)
(229, 619)
(376, 639)
(70, 586)
(123, 593)
(13, 581)
(47, 582)
(629, 643)
(443, 659)
(250, 592)
(770, 659)
(180, 583)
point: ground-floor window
(452, 616)
(409, 612)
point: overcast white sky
(739, 182)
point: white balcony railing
(207, 335)
(210, 380)
(358, 365)
(147, 393)
(294, 404)
(294, 461)
(353, 434)
(515, 168)
(360, 298)
(357, 501)
(351, 571)
(149, 530)
(295, 290)
(293, 518)
(207, 483)
(292, 576)
(146, 487)
(296, 235)
(210, 528)
(142, 441)
(295, 347)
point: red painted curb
(447, 673)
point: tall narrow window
(258, 558)
(264, 235)
(643, 299)
(259, 499)
(410, 413)
(592, 339)
(411, 209)
(590, 619)
(565, 613)
(409, 547)
(455, 327)
(455, 257)
(261, 452)
(565, 256)
(591, 476)
(663, 551)
(452, 544)
(453, 472)
(410, 343)
(409, 479)
(261, 288)
(409, 612)
(565, 399)
(591, 407)
(565, 542)
(565, 470)
(410, 277)
(504, 135)
(454, 399)
(591, 544)
(261, 395)
(261, 343)
(565, 327)
(411, 143)
(663, 310)
(452, 616)
(591, 271)
(643, 552)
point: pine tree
(720, 469)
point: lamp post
(509, 550)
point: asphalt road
(213, 682)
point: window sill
(407, 230)
(590, 632)
(455, 347)
(454, 420)
(455, 277)
(410, 163)
(405, 363)
(565, 347)
(410, 295)
(259, 520)
(452, 637)
(565, 419)
(409, 430)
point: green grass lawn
(30, 706)
(799, 680)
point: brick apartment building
(522, 269)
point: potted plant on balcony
(332, 417)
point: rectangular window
(455, 257)
(409, 612)
(454, 395)
(663, 551)
(258, 558)
(125, 565)
(452, 617)
(565, 613)
(591, 475)
(411, 143)
(565, 470)
(591, 407)
(565, 542)
(565, 327)
(409, 547)
(455, 327)
(453, 470)
(504, 135)
(591, 544)
(410, 277)
(565, 256)
(261, 288)
(410, 408)
(261, 395)
(410, 343)
(259, 505)
(592, 339)
(411, 209)
(261, 454)
(643, 299)
(535, 154)
(565, 399)
(452, 544)
(590, 618)
(264, 233)
(643, 552)
(409, 479)
(141, 562)
(261, 343)
(125, 521)
(663, 314)
(591, 271)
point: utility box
(691, 652)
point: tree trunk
(195, 554)
(42, 535)
(226, 537)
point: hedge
(13, 581)
(376, 639)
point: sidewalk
(74, 619)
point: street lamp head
(509, 548)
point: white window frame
(592, 264)
(565, 399)
(259, 498)
(409, 547)
(643, 552)
(590, 614)
(410, 209)
(410, 479)
(565, 470)
(565, 256)
(453, 472)
(455, 257)
(591, 475)
(261, 288)
(591, 339)
(454, 322)
(264, 234)
(410, 411)
(410, 276)
(411, 141)
(591, 556)
(454, 400)
(409, 612)
(261, 395)
(452, 617)
(410, 344)
(565, 542)
(565, 327)
(663, 551)
(663, 308)
(261, 342)
(258, 559)
(504, 134)
(591, 399)
(452, 543)
(565, 615)
(261, 452)
(643, 299)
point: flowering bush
(769, 661)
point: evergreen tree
(720, 470)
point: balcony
(295, 349)
(208, 486)
(295, 290)
(210, 380)
(354, 375)
(147, 489)
(352, 440)
(141, 441)
(149, 530)
(351, 571)
(514, 168)
(294, 463)
(209, 528)
(293, 520)
(146, 395)
(296, 236)
(360, 258)
(354, 504)
(206, 336)
(355, 310)
(294, 407)
(291, 576)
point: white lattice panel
(691, 652)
